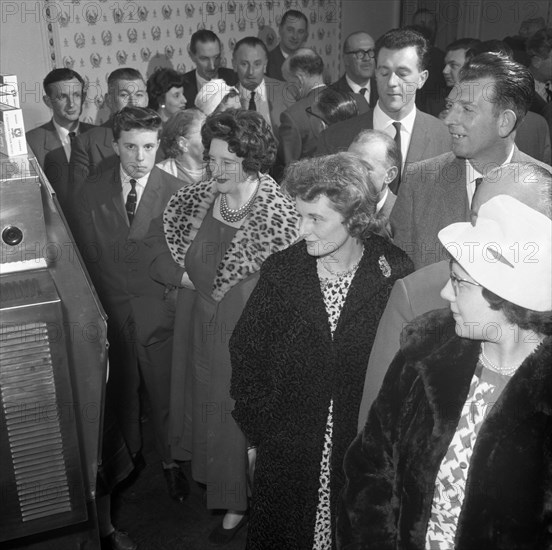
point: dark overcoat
(392, 465)
(285, 370)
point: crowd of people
(337, 297)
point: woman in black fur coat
(300, 350)
(457, 449)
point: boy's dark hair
(135, 118)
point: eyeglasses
(455, 280)
(359, 54)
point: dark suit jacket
(412, 296)
(111, 247)
(190, 84)
(343, 86)
(433, 195)
(299, 130)
(48, 150)
(430, 136)
(533, 137)
(275, 61)
(279, 99)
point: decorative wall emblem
(169, 52)
(95, 60)
(142, 13)
(287, 4)
(221, 25)
(321, 33)
(107, 38)
(64, 19)
(91, 14)
(231, 44)
(122, 57)
(132, 35)
(156, 32)
(68, 62)
(251, 6)
(241, 24)
(328, 49)
(313, 17)
(145, 54)
(179, 31)
(261, 23)
(181, 68)
(190, 9)
(118, 15)
(200, 26)
(210, 8)
(231, 6)
(79, 40)
(166, 10)
(306, 3)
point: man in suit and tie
(51, 143)
(258, 92)
(113, 216)
(381, 153)
(206, 52)
(293, 31)
(483, 112)
(360, 65)
(400, 71)
(92, 152)
(298, 129)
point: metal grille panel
(32, 419)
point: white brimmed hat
(211, 94)
(508, 251)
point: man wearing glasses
(400, 72)
(360, 65)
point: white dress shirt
(385, 123)
(472, 174)
(63, 134)
(357, 87)
(261, 100)
(140, 186)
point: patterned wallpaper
(97, 37)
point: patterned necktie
(477, 184)
(252, 106)
(548, 88)
(72, 136)
(362, 92)
(131, 199)
(394, 185)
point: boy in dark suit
(114, 213)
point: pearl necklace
(507, 371)
(231, 215)
(341, 274)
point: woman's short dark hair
(539, 322)
(336, 105)
(247, 134)
(181, 123)
(159, 83)
(347, 182)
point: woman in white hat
(457, 449)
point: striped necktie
(131, 200)
(394, 185)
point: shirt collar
(62, 132)
(260, 91)
(381, 202)
(125, 178)
(472, 174)
(286, 55)
(357, 87)
(382, 120)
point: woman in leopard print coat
(212, 250)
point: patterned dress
(485, 388)
(334, 292)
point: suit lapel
(117, 195)
(51, 138)
(150, 197)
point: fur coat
(392, 465)
(285, 370)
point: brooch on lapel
(384, 266)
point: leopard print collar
(270, 226)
